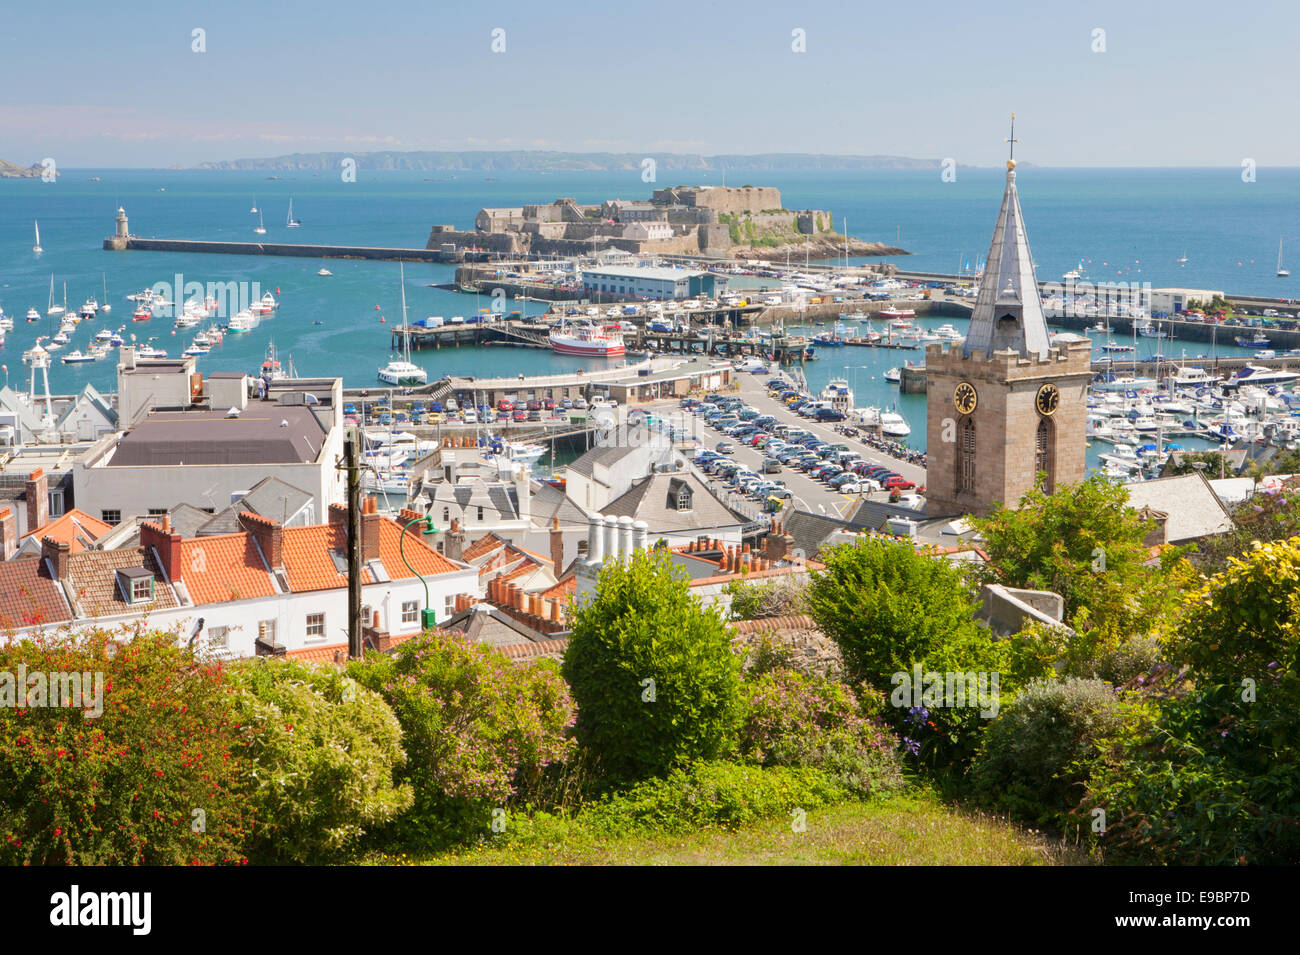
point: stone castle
(681, 220)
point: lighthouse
(122, 230)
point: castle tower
(1004, 405)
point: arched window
(1043, 453)
(966, 457)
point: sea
(1130, 225)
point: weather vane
(1011, 160)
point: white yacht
(402, 371)
(1192, 377)
(242, 321)
(1259, 375)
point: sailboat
(105, 307)
(253, 211)
(1281, 272)
(37, 247)
(291, 222)
(402, 371)
(261, 229)
(55, 309)
(1183, 260)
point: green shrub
(479, 731)
(643, 625)
(797, 720)
(776, 598)
(323, 754)
(153, 780)
(713, 795)
(1030, 760)
(892, 609)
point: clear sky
(1195, 82)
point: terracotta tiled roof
(484, 545)
(326, 652)
(797, 621)
(306, 555)
(307, 561)
(564, 588)
(535, 649)
(28, 595)
(92, 577)
(224, 567)
(74, 528)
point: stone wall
(812, 652)
(727, 199)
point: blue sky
(1180, 83)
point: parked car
(898, 483)
(726, 447)
(771, 466)
(519, 415)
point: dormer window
(679, 495)
(136, 585)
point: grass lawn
(915, 829)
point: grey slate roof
(874, 514)
(649, 500)
(810, 530)
(607, 457)
(168, 438)
(1008, 287)
(485, 623)
(1194, 509)
(549, 502)
(271, 498)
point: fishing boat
(896, 312)
(104, 335)
(587, 340)
(271, 369)
(76, 358)
(242, 321)
(148, 351)
(33, 314)
(1258, 340)
(89, 308)
(142, 313)
(402, 371)
(839, 395)
(265, 305)
(1117, 347)
(261, 229)
(195, 351)
(1281, 272)
(894, 375)
(37, 247)
(290, 222)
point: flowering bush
(479, 731)
(323, 752)
(797, 720)
(152, 780)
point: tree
(653, 673)
(1085, 543)
(1268, 516)
(891, 610)
(1216, 464)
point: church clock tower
(1003, 406)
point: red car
(534, 405)
(521, 415)
(898, 483)
(549, 404)
(504, 405)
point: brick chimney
(166, 545)
(557, 547)
(778, 544)
(338, 514)
(57, 553)
(370, 521)
(38, 500)
(8, 533)
(268, 534)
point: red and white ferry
(587, 340)
(894, 311)
(265, 306)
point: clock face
(1049, 396)
(964, 397)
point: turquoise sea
(1131, 225)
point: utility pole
(352, 459)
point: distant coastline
(549, 161)
(11, 170)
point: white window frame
(320, 633)
(410, 611)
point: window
(446, 516)
(966, 458)
(111, 516)
(217, 637)
(684, 499)
(141, 589)
(315, 626)
(448, 605)
(410, 611)
(480, 513)
(56, 502)
(157, 511)
(1043, 453)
